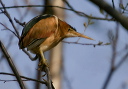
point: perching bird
(44, 32)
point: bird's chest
(49, 43)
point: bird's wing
(32, 22)
(36, 34)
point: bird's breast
(49, 43)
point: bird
(43, 33)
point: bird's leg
(43, 62)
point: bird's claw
(42, 65)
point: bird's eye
(69, 29)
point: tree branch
(9, 17)
(11, 64)
(77, 12)
(98, 44)
(50, 85)
(114, 13)
(25, 78)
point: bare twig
(124, 8)
(16, 33)
(113, 4)
(50, 86)
(68, 4)
(11, 80)
(122, 60)
(114, 13)
(26, 52)
(17, 21)
(83, 14)
(12, 65)
(98, 44)
(77, 12)
(38, 77)
(43, 82)
(9, 17)
(112, 67)
(8, 29)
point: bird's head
(69, 31)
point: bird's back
(28, 27)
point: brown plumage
(44, 32)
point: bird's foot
(42, 65)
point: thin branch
(121, 61)
(124, 8)
(85, 15)
(50, 85)
(98, 44)
(9, 17)
(112, 66)
(38, 77)
(114, 13)
(113, 4)
(12, 65)
(69, 5)
(112, 70)
(12, 80)
(43, 82)
(77, 12)
(109, 76)
(27, 53)
(24, 6)
(8, 29)
(16, 33)
(17, 21)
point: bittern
(44, 32)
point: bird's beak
(76, 34)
